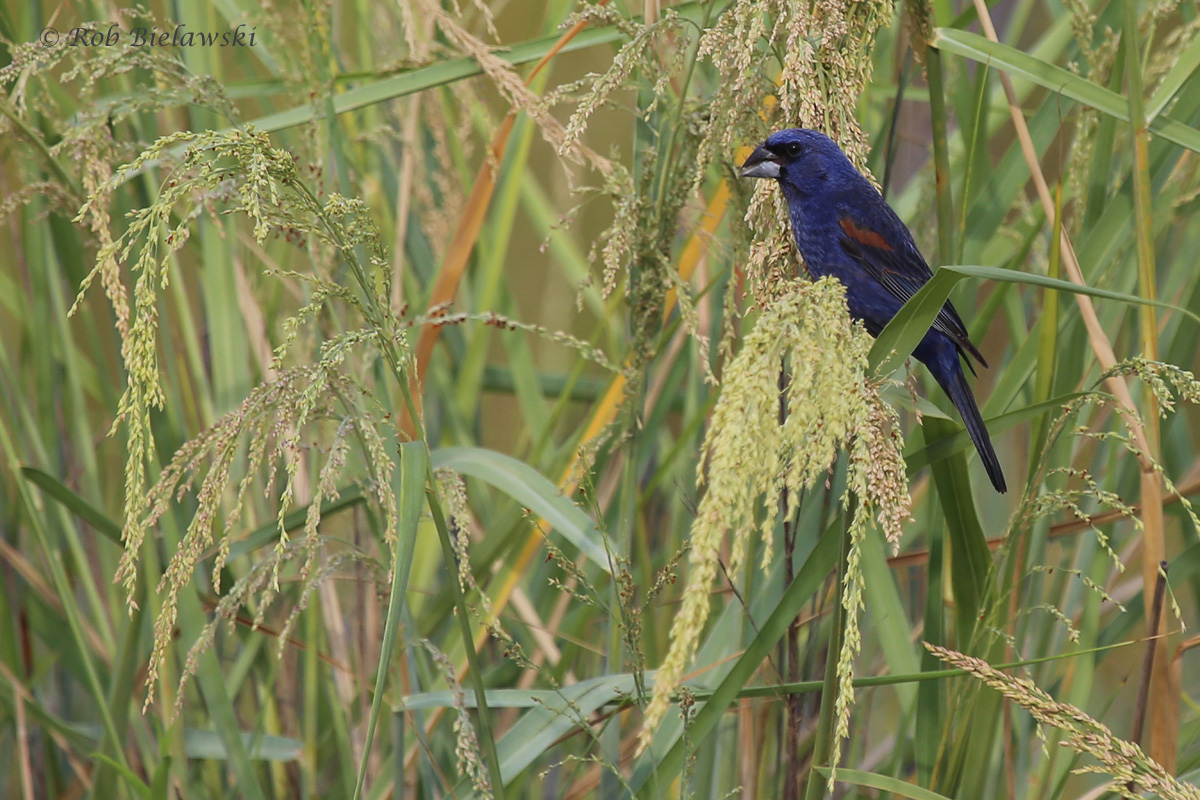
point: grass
(366, 464)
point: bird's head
(800, 159)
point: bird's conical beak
(762, 163)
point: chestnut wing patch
(864, 235)
(902, 272)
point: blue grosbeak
(845, 228)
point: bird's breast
(814, 245)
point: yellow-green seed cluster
(1122, 760)
(754, 461)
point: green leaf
(931, 696)
(408, 479)
(557, 714)
(905, 330)
(887, 617)
(532, 490)
(1048, 345)
(1184, 67)
(898, 338)
(653, 770)
(1057, 79)
(970, 558)
(959, 440)
(885, 782)
(81, 508)
(131, 779)
(496, 698)
(208, 745)
(262, 747)
(347, 497)
(162, 774)
(258, 538)
(440, 73)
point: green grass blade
(206, 744)
(553, 715)
(1185, 66)
(443, 73)
(1043, 385)
(887, 620)
(532, 490)
(58, 491)
(907, 328)
(816, 569)
(931, 696)
(959, 440)
(872, 780)
(1057, 79)
(129, 776)
(970, 559)
(463, 614)
(408, 481)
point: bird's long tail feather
(963, 399)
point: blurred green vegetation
(602, 264)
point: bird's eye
(793, 149)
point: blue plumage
(845, 228)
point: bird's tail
(960, 394)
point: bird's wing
(897, 265)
